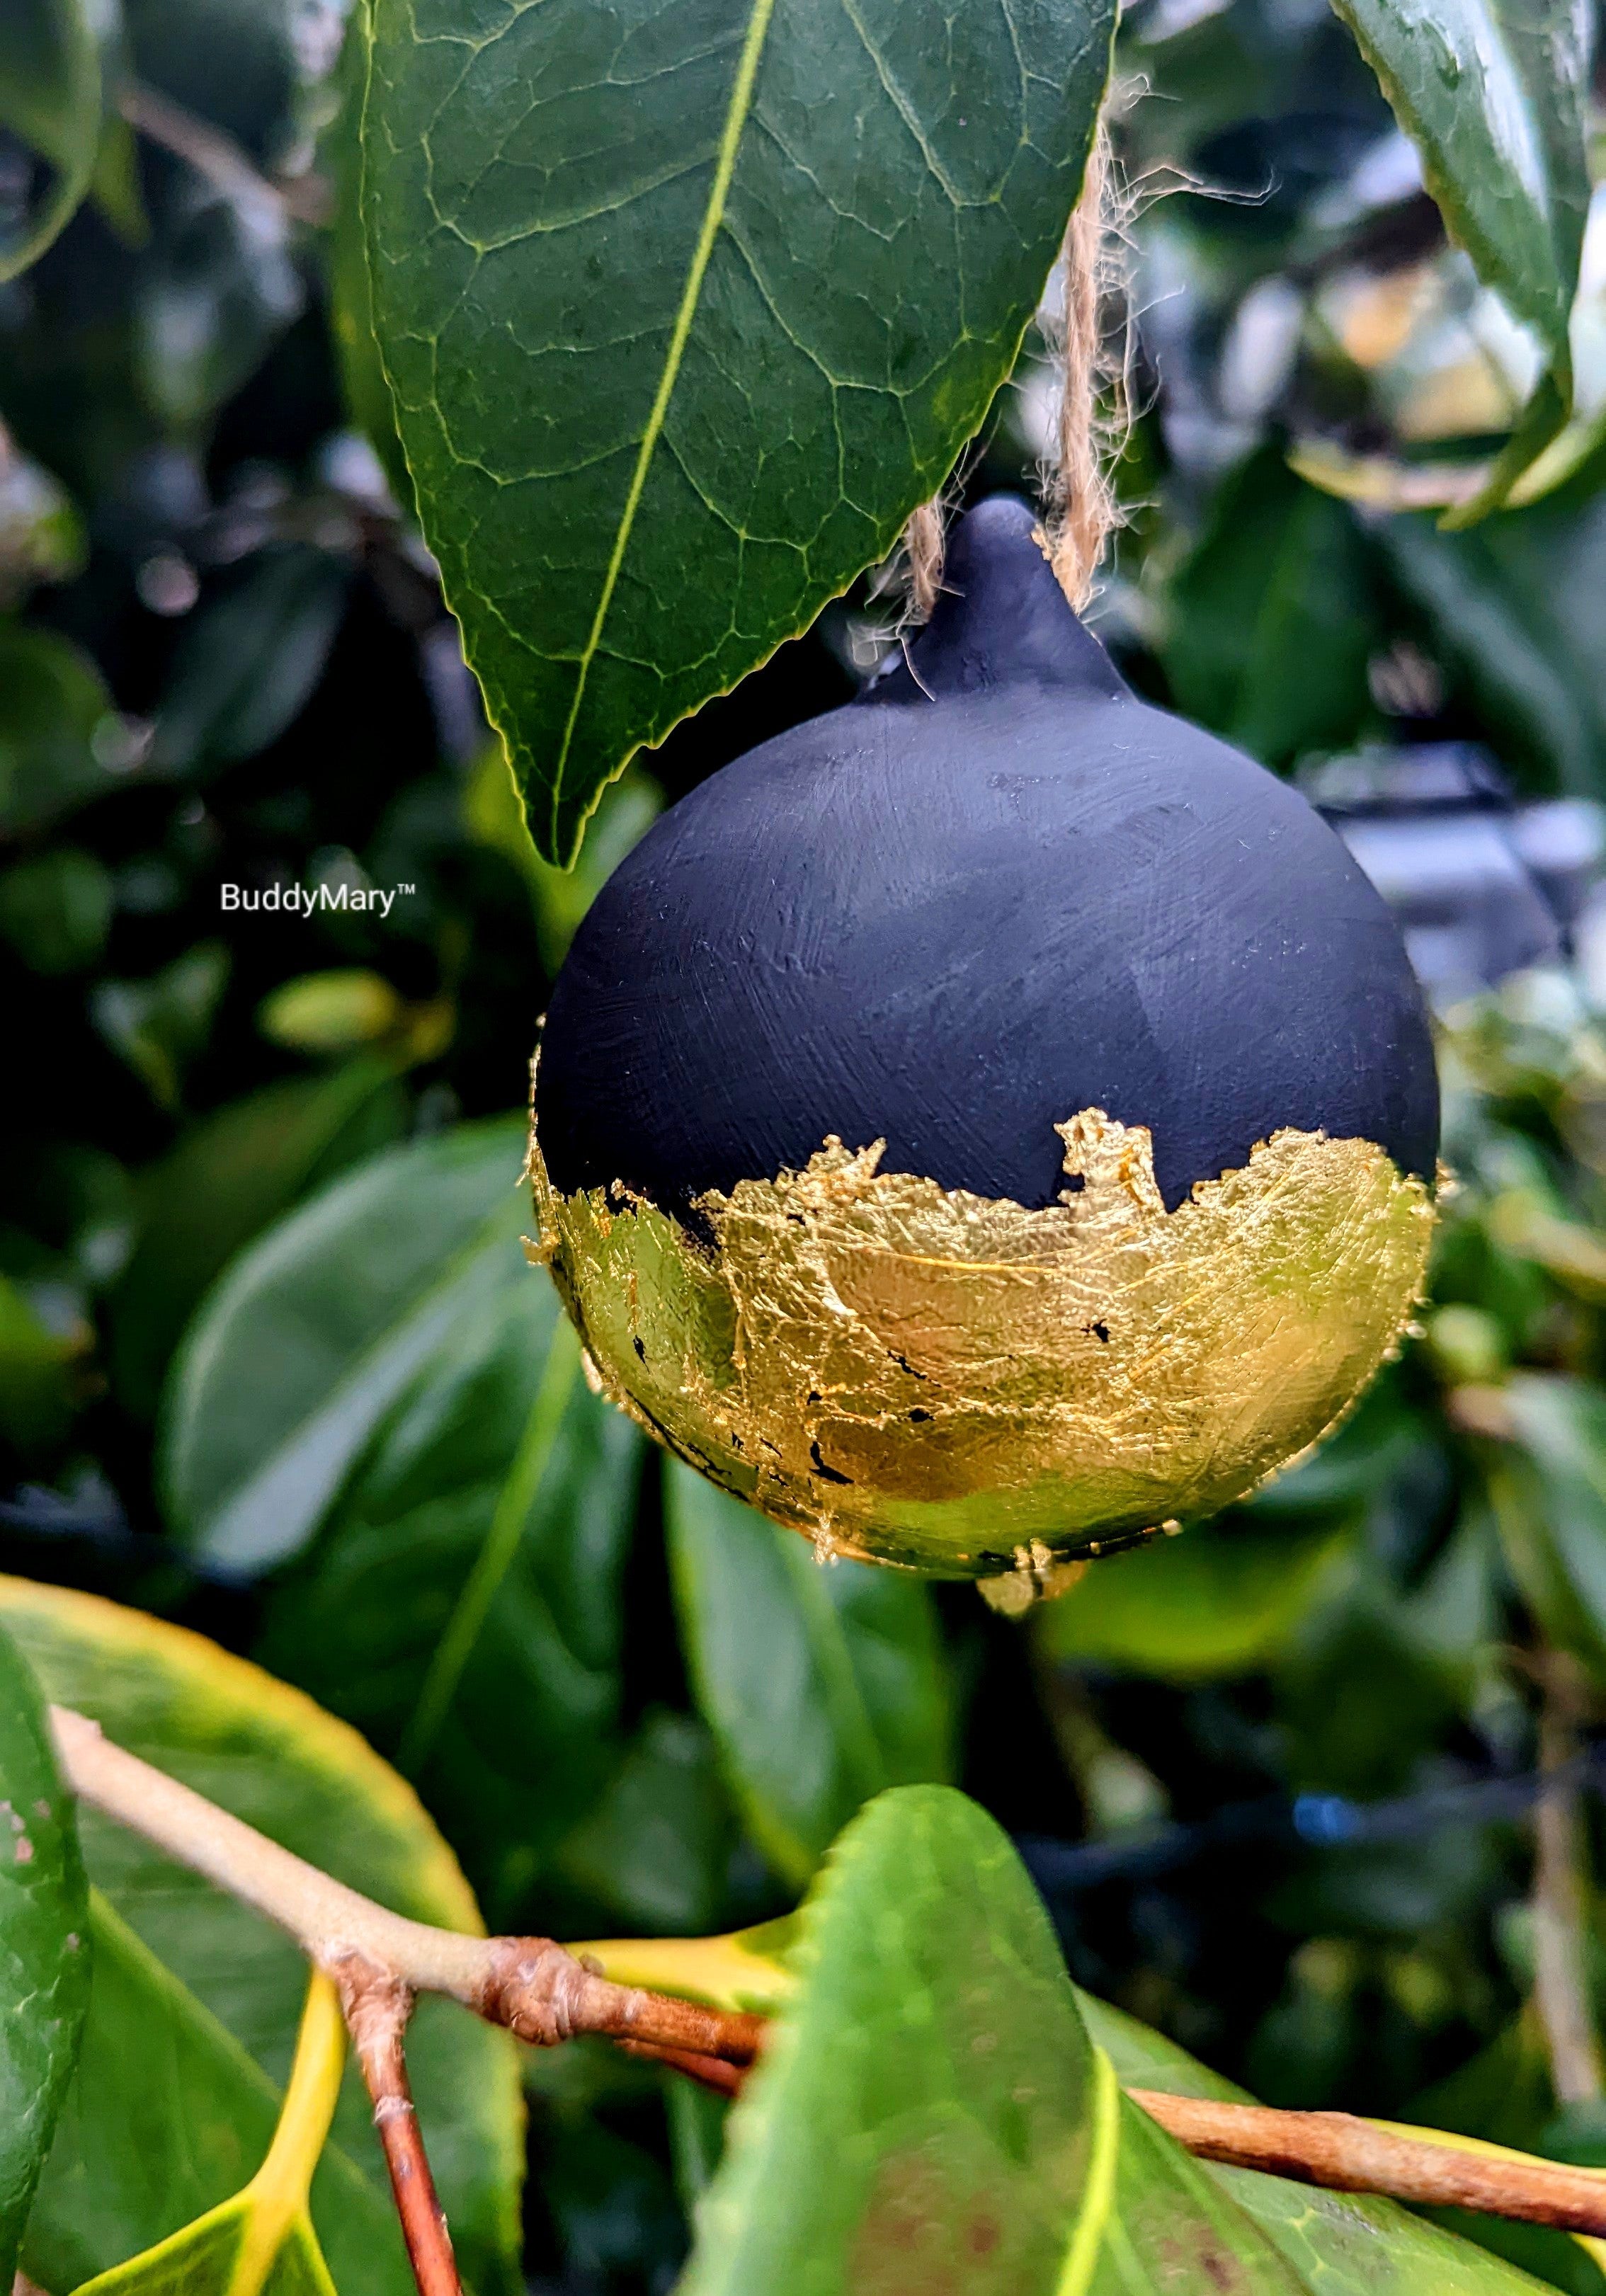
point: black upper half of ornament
(993, 892)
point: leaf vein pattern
(729, 144)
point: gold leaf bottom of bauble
(951, 1382)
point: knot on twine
(1090, 354)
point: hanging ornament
(994, 1120)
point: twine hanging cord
(1088, 343)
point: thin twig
(717, 2073)
(1346, 2155)
(1560, 1949)
(377, 2007)
(532, 1986)
(216, 155)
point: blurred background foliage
(271, 1363)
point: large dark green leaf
(453, 1502)
(1492, 94)
(53, 96)
(44, 1946)
(267, 1753)
(822, 1686)
(318, 1333)
(685, 308)
(227, 1179)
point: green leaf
(916, 1979)
(166, 2120)
(1549, 1496)
(337, 1010)
(1220, 1600)
(53, 705)
(44, 1946)
(560, 897)
(1273, 617)
(42, 537)
(37, 1384)
(161, 1025)
(929, 2104)
(1516, 607)
(53, 95)
(1334, 2241)
(350, 297)
(244, 65)
(380, 1403)
(822, 1685)
(683, 310)
(316, 1335)
(261, 2239)
(263, 1750)
(247, 662)
(656, 1850)
(1492, 94)
(229, 1176)
(55, 909)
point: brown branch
(1349, 2155)
(532, 1986)
(377, 2006)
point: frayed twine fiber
(1082, 511)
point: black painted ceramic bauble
(991, 1120)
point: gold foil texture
(953, 1383)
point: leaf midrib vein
(724, 169)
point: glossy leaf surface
(822, 1685)
(167, 2119)
(1219, 1600)
(225, 1181)
(447, 1505)
(321, 1329)
(931, 2105)
(43, 1946)
(1549, 1496)
(261, 2241)
(683, 309)
(264, 1751)
(902, 2014)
